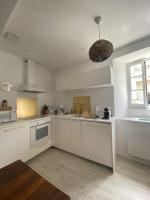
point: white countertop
(136, 119)
(12, 123)
(108, 121)
(35, 117)
(72, 117)
(22, 120)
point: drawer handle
(97, 124)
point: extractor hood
(31, 78)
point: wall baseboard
(141, 161)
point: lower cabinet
(67, 135)
(61, 136)
(97, 142)
(14, 143)
(76, 137)
(90, 140)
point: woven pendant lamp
(101, 49)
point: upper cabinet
(101, 77)
(93, 78)
(62, 136)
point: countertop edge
(133, 119)
(83, 119)
(21, 120)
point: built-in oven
(40, 133)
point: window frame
(130, 104)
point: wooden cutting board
(82, 105)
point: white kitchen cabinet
(94, 78)
(97, 142)
(100, 77)
(67, 135)
(65, 83)
(92, 140)
(72, 81)
(14, 143)
(61, 135)
(138, 139)
(76, 137)
(139, 146)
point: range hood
(31, 80)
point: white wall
(11, 69)
(102, 97)
(125, 128)
(121, 85)
(120, 89)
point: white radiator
(139, 145)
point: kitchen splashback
(26, 107)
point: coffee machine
(107, 113)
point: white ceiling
(58, 33)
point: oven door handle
(42, 126)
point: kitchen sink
(76, 115)
(144, 119)
(81, 116)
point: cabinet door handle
(10, 129)
(91, 85)
(97, 124)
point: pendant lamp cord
(99, 31)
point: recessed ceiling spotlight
(101, 49)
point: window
(139, 83)
(147, 65)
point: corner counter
(72, 117)
(93, 139)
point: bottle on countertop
(97, 111)
(62, 109)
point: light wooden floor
(85, 180)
